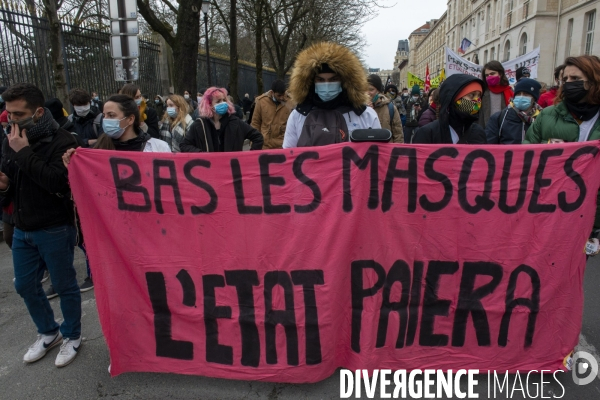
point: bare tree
(184, 41)
(56, 51)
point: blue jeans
(53, 247)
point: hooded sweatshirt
(351, 102)
(468, 131)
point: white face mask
(82, 111)
(186, 96)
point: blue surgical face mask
(172, 111)
(112, 127)
(522, 102)
(328, 90)
(222, 108)
(138, 101)
(97, 98)
(157, 101)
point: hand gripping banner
(284, 265)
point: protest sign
(284, 265)
(455, 64)
(415, 80)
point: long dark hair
(128, 107)
(494, 66)
(104, 143)
(590, 66)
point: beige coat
(383, 112)
(270, 119)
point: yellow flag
(443, 75)
(415, 80)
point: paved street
(88, 378)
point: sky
(394, 23)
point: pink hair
(205, 105)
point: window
(589, 36)
(507, 50)
(569, 38)
(493, 54)
(526, 9)
(488, 18)
(509, 15)
(523, 43)
(485, 57)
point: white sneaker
(68, 351)
(41, 347)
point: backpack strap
(97, 122)
(204, 130)
(391, 109)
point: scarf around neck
(44, 127)
(508, 93)
(582, 111)
(136, 144)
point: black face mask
(574, 92)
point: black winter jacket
(38, 182)
(235, 132)
(84, 126)
(513, 127)
(152, 122)
(439, 131)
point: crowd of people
(327, 99)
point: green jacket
(556, 122)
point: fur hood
(340, 59)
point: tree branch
(155, 23)
(171, 6)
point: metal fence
(219, 70)
(25, 49)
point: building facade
(430, 50)
(401, 63)
(505, 29)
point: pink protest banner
(284, 265)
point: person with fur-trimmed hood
(328, 79)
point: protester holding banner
(148, 116)
(329, 84)
(176, 122)
(122, 131)
(218, 129)
(547, 99)
(386, 111)
(510, 125)
(497, 91)
(460, 102)
(34, 177)
(575, 116)
(431, 114)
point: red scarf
(508, 93)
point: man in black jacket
(84, 117)
(34, 177)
